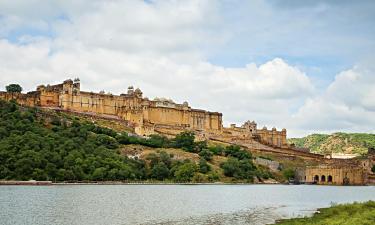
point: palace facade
(146, 116)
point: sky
(307, 66)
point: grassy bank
(345, 214)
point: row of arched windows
(323, 178)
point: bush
(288, 173)
(239, 169)
(157, 141)
(217, 149)
(13, 88)
(203, 166)
(206, 154)
(213, 176)
(185, 140)
(200, 146)
(199, 178)
(231, 167)
(237, 152)
(160, 171)
(185, 172)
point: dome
(138, 90)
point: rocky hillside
(336, 142)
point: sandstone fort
(165, 117)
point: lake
(168, 204)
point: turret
(138, 93)
(76, 86)
(130, 90)
(68, 86)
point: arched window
(323, 179)
(329, 178)
(316, 178)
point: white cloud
(346, 105)
(262, 92)
(161, 47)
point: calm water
(168, 204)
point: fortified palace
(163, 116)
(146, 116)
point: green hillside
(336, 142)
(47, 145)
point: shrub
(288, 173)
(206, 154)
(185, 172)
(203, 166)
(217, 149)
(213, 176)
(160, 171)
(185, 140)
(240, 169)
(237, 152)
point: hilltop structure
(146, 116)
(163, 116)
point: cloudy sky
(308, 66)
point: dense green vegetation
(346, 214)
(31, 148)
(336, 143)
(37, 146)
(13, 88)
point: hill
(46, 145)
(350, 143)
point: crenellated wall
(148, 116)
(142, 112)
(249, 130)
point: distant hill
(336, 142)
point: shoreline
(348, 213)
(50, 183)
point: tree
(185, 140)
(185, 172)
(99, 173)
(206, 154)
(237, 152)
(200, 146)
(240, 169)
(203, 166)
(288, 173)
(160, 171)
(231, 167)
(217, 149)
(157, 141)
(166, 159)
(13, 88)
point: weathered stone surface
(160, 115)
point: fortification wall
(145, 114)
(338, 175)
